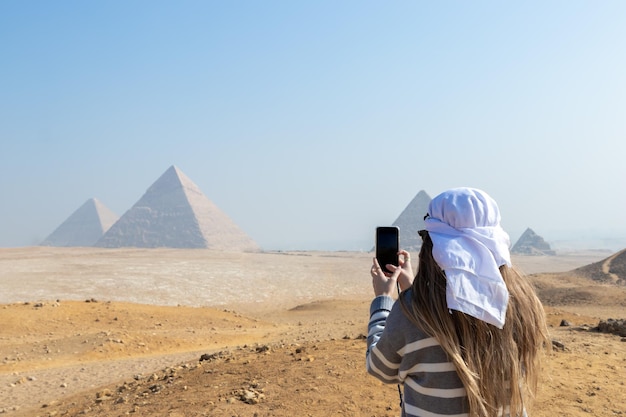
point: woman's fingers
(383, 283)
(405, 255)
(376, 269)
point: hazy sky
(309, 123)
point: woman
(466, 336)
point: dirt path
(606, 268)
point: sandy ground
(118, 332)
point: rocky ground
(96, 357)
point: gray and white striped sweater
(399, 352)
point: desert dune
(172, 332)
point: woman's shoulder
(399, 316)
(407, 295)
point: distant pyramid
(530, 243)
(84, 227)
(411, 220)
(174, 213)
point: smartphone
(387, 246)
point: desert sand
(161, 332)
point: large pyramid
(411, 220)
(530, 243)
(84, 227)
(174, 213)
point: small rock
(104, 393)
(212, 356)
(558, 345)
(50, 404)
(565, 323)
(263, 349)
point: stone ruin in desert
(173, 213)
(530, 243)
(84, 227)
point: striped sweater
(399, 352)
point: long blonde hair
(498, 367)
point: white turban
(469, 245)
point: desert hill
(599, 283)
(609, 270)
(300, 352)
(579, 294)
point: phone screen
(387, 246)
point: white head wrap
(469, 246)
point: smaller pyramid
(84, 227)
(530, 243)
(411, 220)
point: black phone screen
(387, 246)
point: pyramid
(530, 243)
(84, 227)
(411, 220)
(174, 213)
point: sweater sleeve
(381, 363)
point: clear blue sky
(309, 123)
